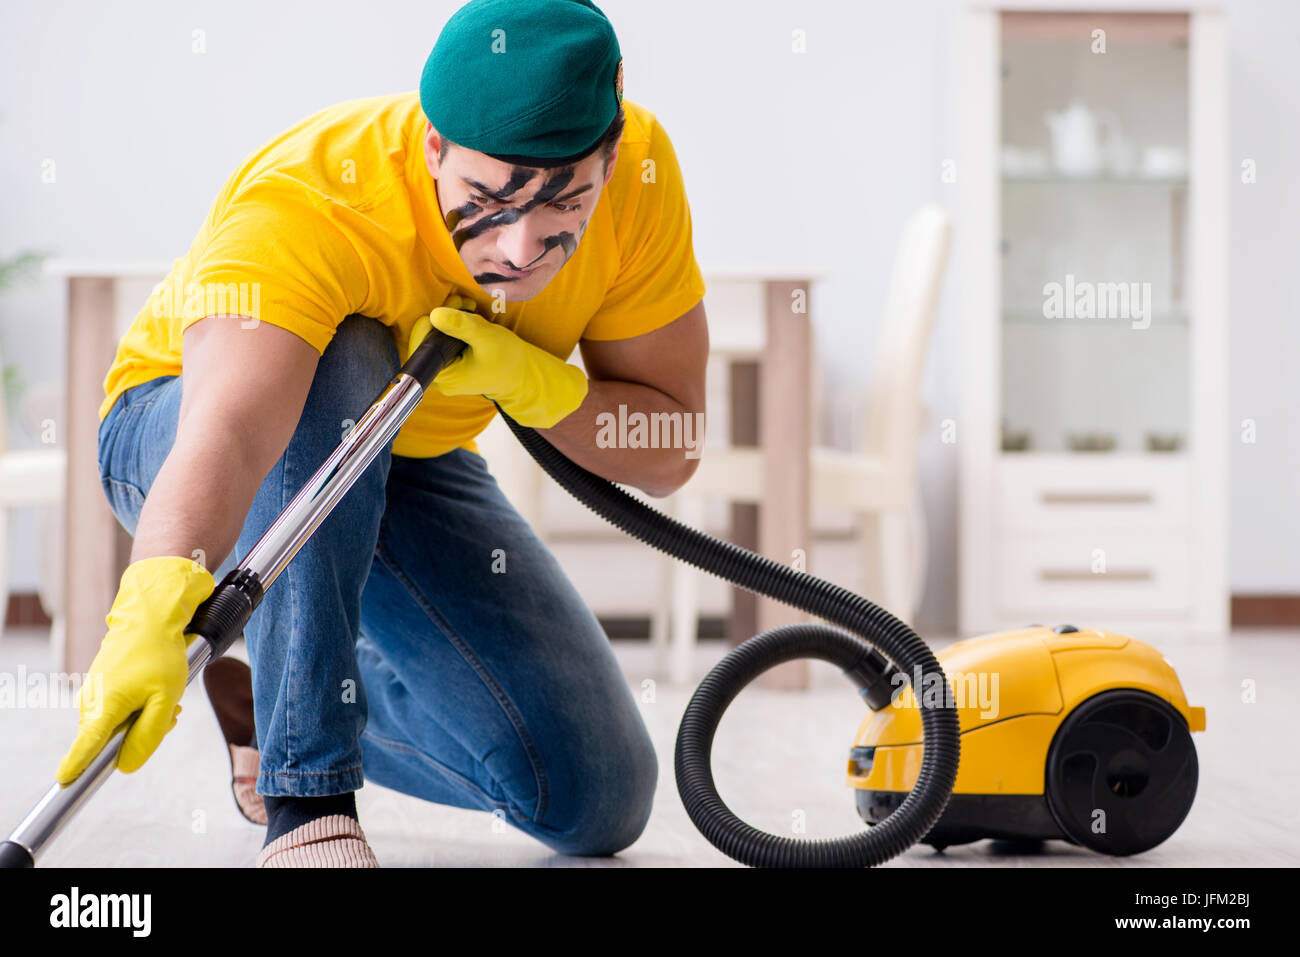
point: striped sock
(286, 812)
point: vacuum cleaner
(1076, 734)
(918, 742)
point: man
(424, 638)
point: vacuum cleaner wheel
(1121, 772)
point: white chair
(879, 483)
(34, 477)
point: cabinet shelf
(1114, 455)
(1057, 180)
(1031, 317)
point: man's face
(514, 226)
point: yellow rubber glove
(141, 664)
(532, 386)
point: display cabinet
(1091, 249)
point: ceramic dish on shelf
(1090, 441)
(1164, 441)
(1015, 440)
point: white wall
(803, 159)
(1264, 514)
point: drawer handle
(1097, 498)
(1075, 575)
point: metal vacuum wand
(221, 618)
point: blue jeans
(424, 638)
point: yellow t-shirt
(339, 216)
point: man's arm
(660, 372)
(244, 391)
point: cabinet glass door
(1096, 319)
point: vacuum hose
(868, 626)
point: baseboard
(1248, 611)
(638, 626)
(1265, 611)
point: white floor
(779, 756)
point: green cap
(531, 82)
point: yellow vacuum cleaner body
(1066, 733)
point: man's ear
(432, 143)
(613, 161)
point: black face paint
(566, 241)
(519, 175)
(459, 213)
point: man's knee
(612, 812)
(356, 365)
(354, 368)
(358, 362)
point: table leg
(742, 624)
(95, 545)
(785, 418)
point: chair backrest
(894, 392)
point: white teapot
(1076, 149)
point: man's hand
(141, 665)
(532, 386)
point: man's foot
(244, 765)
(285, 813)
(229, 684)
(335, 840)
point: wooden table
(96, 548)
(766, 342)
